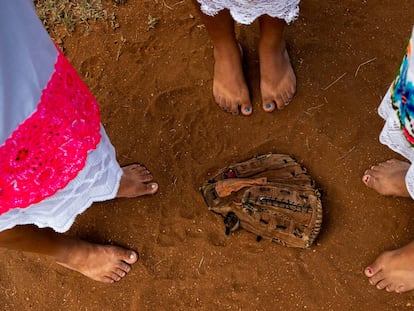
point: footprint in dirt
(173, 103)
(188, 119)
(170, 234)
(92, 71)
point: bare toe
(382, 284)
(391, 288)
(149, 188)
(220, 101)
(369, 180)
(103, 263)
(393, 270)
(376, 278)
(246, 109)
(229, 87)
(280, 102)
(120, 273)
(113, 276)
(277, 78)
(125, 267)
(269, 106)
(388, 178)
(135, 181)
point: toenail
(268, 106)
(247, 109)
(366, 179)
(132, 256)
(369, 271)
(153, 186)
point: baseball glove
(271, 196)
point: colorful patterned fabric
(397, 109)
(402, 95)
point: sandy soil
(154, 87)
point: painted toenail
(369, 271)
(268, 106)
(366, 179)
(247, 109)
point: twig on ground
(118, 54)
(346, 154)
(363, 64)
(159, 262)
(327, 87)
(123, 40)
(172, 7)
(126, 157)
(315, 107)
(308, 111)
(200, 264)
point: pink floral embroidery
(50, 147)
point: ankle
(72, 250)
(273, 45)
(226, 49)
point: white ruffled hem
(97, 181)
(409, 181)
(393, 137)
(245, 12)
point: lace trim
(409, 181)
(50, 147)
(97, 181)
(245, 12)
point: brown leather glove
(271, 196)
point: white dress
(29, 63)
(397, 109)
(246, 11)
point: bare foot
(388, 178)
(393, 270)
(277, 78)
(135, 182)
(229, 87)
(103, 263)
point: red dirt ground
(154, 87)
